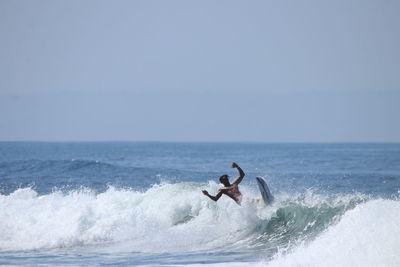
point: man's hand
(234, 165)
(205, 192)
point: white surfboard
(265, 193)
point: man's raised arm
(241, 173)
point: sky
(247, 71)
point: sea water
(128, 203)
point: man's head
(224, 179)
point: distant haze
(269, 71)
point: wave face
(368, 235)
(171, 218)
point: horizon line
(199, 141)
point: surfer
(231, 190)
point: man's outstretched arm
(217, 196)
(241, 173)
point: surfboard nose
(265, 193)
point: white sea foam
(168, 217)
(178, 218)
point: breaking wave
(368, 235)
(176, 218)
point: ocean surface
(140, 203)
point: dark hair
(223, 176)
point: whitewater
(77, 217)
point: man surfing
(231, 190)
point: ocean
(140, 203)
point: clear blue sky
(273, 71)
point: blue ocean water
(140, 203)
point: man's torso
(233, 192)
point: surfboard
(265, 193)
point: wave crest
(368, 235)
